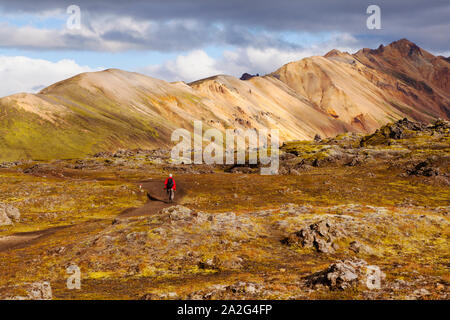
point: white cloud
(198, 64)
(110, 33)
(23, 74)
(195, 65)
(29, 37)
(442, 53)
(267, 60)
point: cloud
(192, 24)
(193, 66)
(23, 74)
(32, 38)
(121, 33)
(198, 64)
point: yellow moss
(100, 275)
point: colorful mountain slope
(327, 95)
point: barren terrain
(339, 207)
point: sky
(42, 42)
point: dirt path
(157, 198)
(24, 239)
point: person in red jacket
(170, 187)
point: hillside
(336, 93)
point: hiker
(170, 187)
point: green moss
(301, 147)
(85, 130)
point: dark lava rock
(424, 168)
(248, 76)
(401, 129)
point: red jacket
(174, 184)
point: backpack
(169, 183)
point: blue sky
(188, 40)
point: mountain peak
(405, 47)
(402, 47)
(332, 53)
(337, 55)
(402, 42)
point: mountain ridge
(325, 95)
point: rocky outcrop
(397, 130)
(40, 291)
(440, 126)
(8, 214)
(248, 76)
(403, 129)
(320, 236)
(162, 296)
(345, 274)
(317, 138)
(358, 247)
(214, 292)
(12, 164)
(424, 168)
(218, 263)
(4, 219)
(178, 212)
(36, 291)
(236, 290)
(400, 129)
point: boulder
(440, 126)
(178, 212)
(240, 169)
(344, 274)
(319, 235)
(418, 294)
(161, 296)
(355, 161)
(237, 290)
(213, 264)
(4, 219)
(103, 154)
(317, 138)
(8, 214)
(398, 130)
(217, 263)
(247, 76)
(36, 291)
(7, 165)
(424, 168)
(358, 247)
(40, 291)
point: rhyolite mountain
(326, 95)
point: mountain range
(325, 95)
